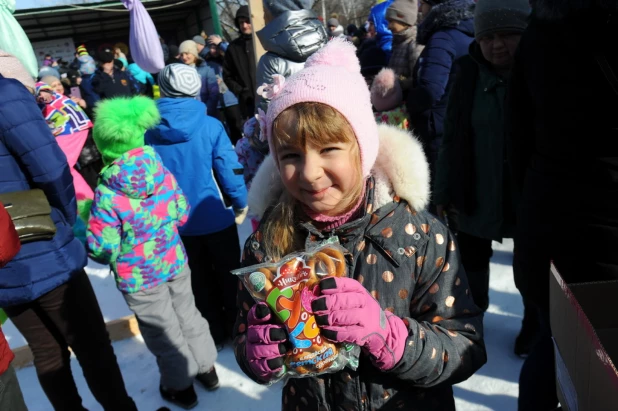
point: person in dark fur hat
(564, 159)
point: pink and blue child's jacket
(134, 221)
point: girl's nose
(312, 169)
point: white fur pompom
(338, 53)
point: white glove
(240, 215)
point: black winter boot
(186, 398)
(528, 334)
(209, 379)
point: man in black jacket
(108, 82)
(562, 130)
(239, 64)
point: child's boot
(209, 379)
(186, 398)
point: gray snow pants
(174, 330)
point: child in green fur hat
(133, 226)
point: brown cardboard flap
(585, 332)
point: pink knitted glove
(264, 347)
(346, 312)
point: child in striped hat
(192, 144)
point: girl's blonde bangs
(311, 124)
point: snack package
(288, 288)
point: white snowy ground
(493, 387)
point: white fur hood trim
(401, 169)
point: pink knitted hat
(331, 76)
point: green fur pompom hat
(121, 123)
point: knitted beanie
(179, 80)
(81, 50)
(386, 93)
(331, 76)
(49, 79)
(492, 16)
(121, 124)
(332, 22)
(403, 11)
(48, 71)
(278, 7)
(11, 67)
(106, 56)
(243, 11)
(188, 46)
(199, 40)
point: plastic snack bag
(288, 288)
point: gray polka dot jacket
(409, 263)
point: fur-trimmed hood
(450, 14)
(558, 9)
(401, 169)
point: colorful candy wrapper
(288, 287)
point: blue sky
(29, 4)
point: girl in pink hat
(332, 172)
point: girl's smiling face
(319, 161)
(321, 178)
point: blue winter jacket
(31, 158)
(384, 37)
(446, 32)
(209, 93)
(229, 99)
(195, 148)
(87, 90)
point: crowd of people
(414, 140)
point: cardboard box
(584, 322)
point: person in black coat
(109, 82)
(564, 157)
(239, 64)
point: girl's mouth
(316, 193)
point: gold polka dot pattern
(387, 232)
(388, 276)
(361, 246)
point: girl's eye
(329, 149)
(289, 156)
